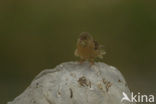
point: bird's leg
(91, 62)
(82, 60)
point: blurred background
(40, 34)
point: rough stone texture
(75, 83)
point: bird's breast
(86, 52)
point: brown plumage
(88, 48)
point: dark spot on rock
(37, 85)
(71, 93)
(119, 80)
(90, 85)
(104, 81)
(49, 102)
(73, 75)
(59, 93)
(83, 81)
(34, 102)
(107, 83)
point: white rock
(75, 83)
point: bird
(88, 49)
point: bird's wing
(101, 53)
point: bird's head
(84, 38)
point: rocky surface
(75, 83)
